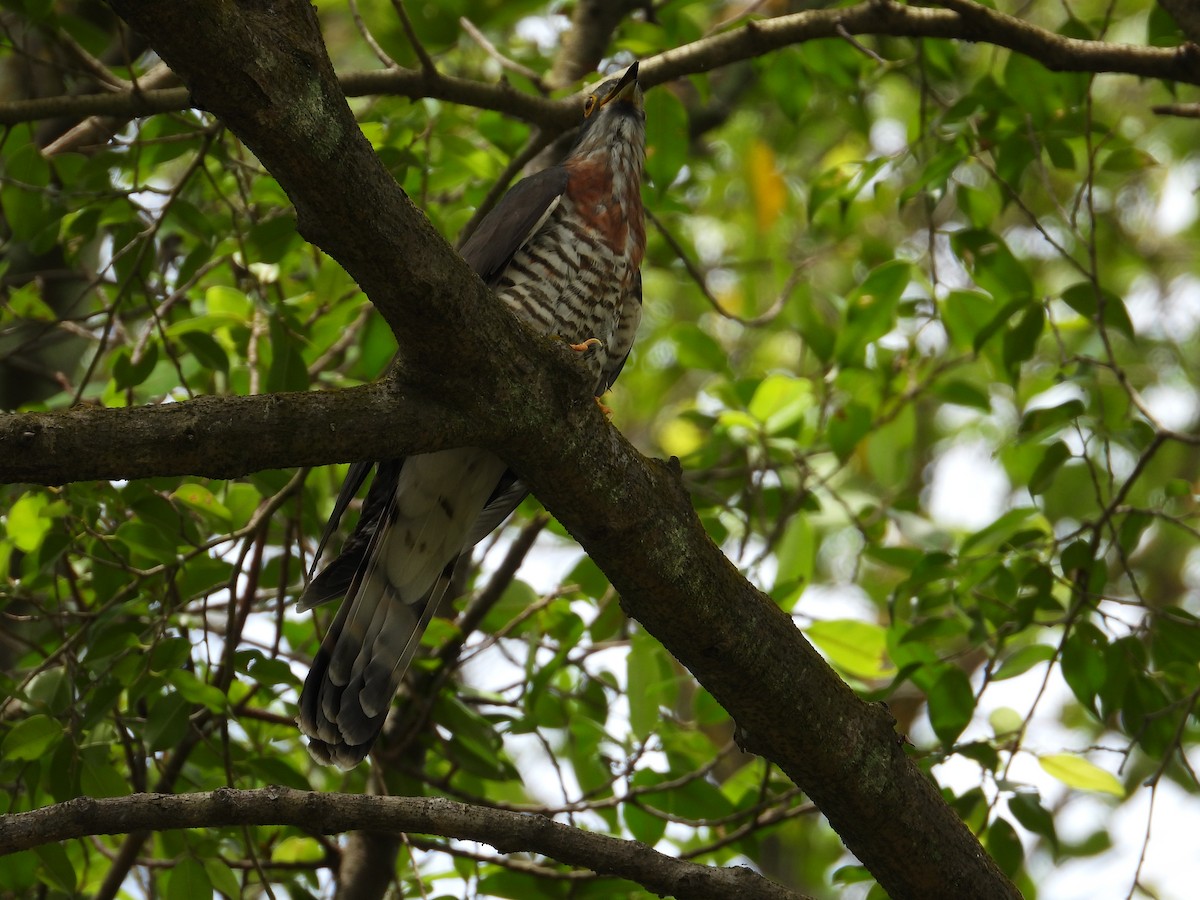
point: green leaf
(644, 826)
(270, 672)
(201, 499)
(847, 427)
(28, 521)
(1050, 418)
(100, 777)
(1005, 847)
(963, 393)
(228, 302)
(223, 879)
(1078, 773)
(31, 738)
(871, 309)
(1175, 638)
(780, 401)
(188, 880)
(1023, 660)
(651, 683)
(26, 205)
(992, 536)
(1086, 299)
(1021, 342)
(26, 303)
(167, 722)
(1056, 454)
(697, 349)
(852, 875)
(287, 371)
(993, 265)
(196, 691)
(966, 314)
(56, 869)
(1027, 809)
(890, 448)
(857, 648)
(951, 704)
(666, 145)
(1083, 663)
(127, 373)
(796, 554)
(207, 351)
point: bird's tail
(429, 519)
(359, 667)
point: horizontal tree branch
(964, 20)
(226, 437)
(967, 21)
(328, 813)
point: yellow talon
(590, 342)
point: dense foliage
(920, 324)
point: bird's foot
(608, 413)
(590, 342)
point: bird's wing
(516, 218)
(622, 340)
(335, 579)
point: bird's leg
(590, 342)
(604, 409)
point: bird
(562, 250)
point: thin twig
(693, 270)
(1185, 110)
(418, 48)
(505, 63)
(860, 47)
(369, 38)
(538, 141)
(102, 73)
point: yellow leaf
(679, 437)
(1077, 772)
(766, 186)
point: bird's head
(613, 113)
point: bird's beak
(627, 88)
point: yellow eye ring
(589, 106)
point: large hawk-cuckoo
(562, 250)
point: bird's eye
(589, 106)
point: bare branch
(490, 49)
(222, 437)
(427, 66)
(967, 22)
(1183, 110)
(327, 813)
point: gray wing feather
(513, 222)
(622, 342)
(335, 579)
